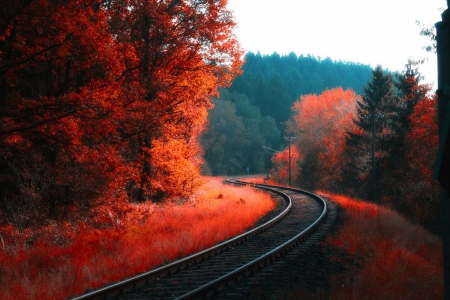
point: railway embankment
(369, 252)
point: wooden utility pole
(442, 167)
(289, 138)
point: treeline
(380, 146)
(274, 82)
(253, 111)
(365, 133)
(102, 102)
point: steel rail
(213, 287)
(118, 287)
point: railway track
(206, 273)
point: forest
(379, 146)
(252, 112)
(112, 112)
(111, 102)
(102, 103)
(96, 113)
(366, 133)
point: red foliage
(104, 101)
(56, 143)
(320, 123)
(174, 56)
(396, 258)
(76, 258)
(423, 136)
(422, 143)
(280, 163)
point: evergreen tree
(370, 146)
(405, 146)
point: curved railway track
(205, 273)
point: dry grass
(395, 258)
(92, 258)
(262, 180)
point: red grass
(399, 260)
(93, 258)
(260, 180)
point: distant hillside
(274, 82)
(251, 113)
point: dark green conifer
(370, 146)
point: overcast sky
(370, 32)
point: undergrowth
(63, 260)
(395, 258)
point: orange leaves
(423, 139)
(99, 96)
(78, 258)
(176, 173)
(94, 99)
(320, 123)
(280, 163)
(174, 57)
(325, 114)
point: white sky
(366, 31)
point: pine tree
(369, 145)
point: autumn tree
(100, 100)
(280, 162)
(320, 122)
(174, 53)
(420, 197)
(55, 90)
(417, 192)
(411, 92)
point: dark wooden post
(290, 139)
(442, 167)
